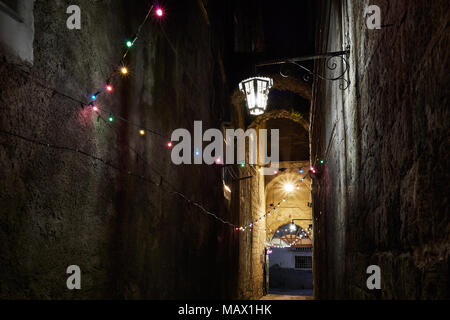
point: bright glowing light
(293, 227)
(129, 44)
(313, 170)
(124, 70)
(218, 161)
(169, 144)
(111, 118)
(95, 108)
(93, 97)
(321, 161)
(109, 88)
(288, 187)
(227, 188)
(159, 12)
(142, 132)
(301, 170)
(256, 91)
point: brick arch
(280, 114)
(292, 84)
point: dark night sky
(288, 27)
(289, 31)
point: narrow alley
(224, 150)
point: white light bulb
(288, 187)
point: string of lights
(299, 234)
(140, 177)
(118, 169)
(114, 167)
(256, 221)
(111, 117)
(123, 70)
(135, 175)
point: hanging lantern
(256, 91)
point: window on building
(303, 262)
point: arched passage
(287, 111)
(280, 114)
(297, 200)
(289, 229)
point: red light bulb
(159, 12)
(109, 88)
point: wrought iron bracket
(330, 63)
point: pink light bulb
(159, 12)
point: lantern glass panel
(256, 91)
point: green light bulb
(129, 44)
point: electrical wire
(115, 167)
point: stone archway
(280, 114)
(294, 127)
(296, 204)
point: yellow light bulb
(142, 132)
(124, 70)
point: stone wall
(249, 207)
(132, 238)
(381, 196)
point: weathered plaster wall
(131, 239)
(382, 195)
